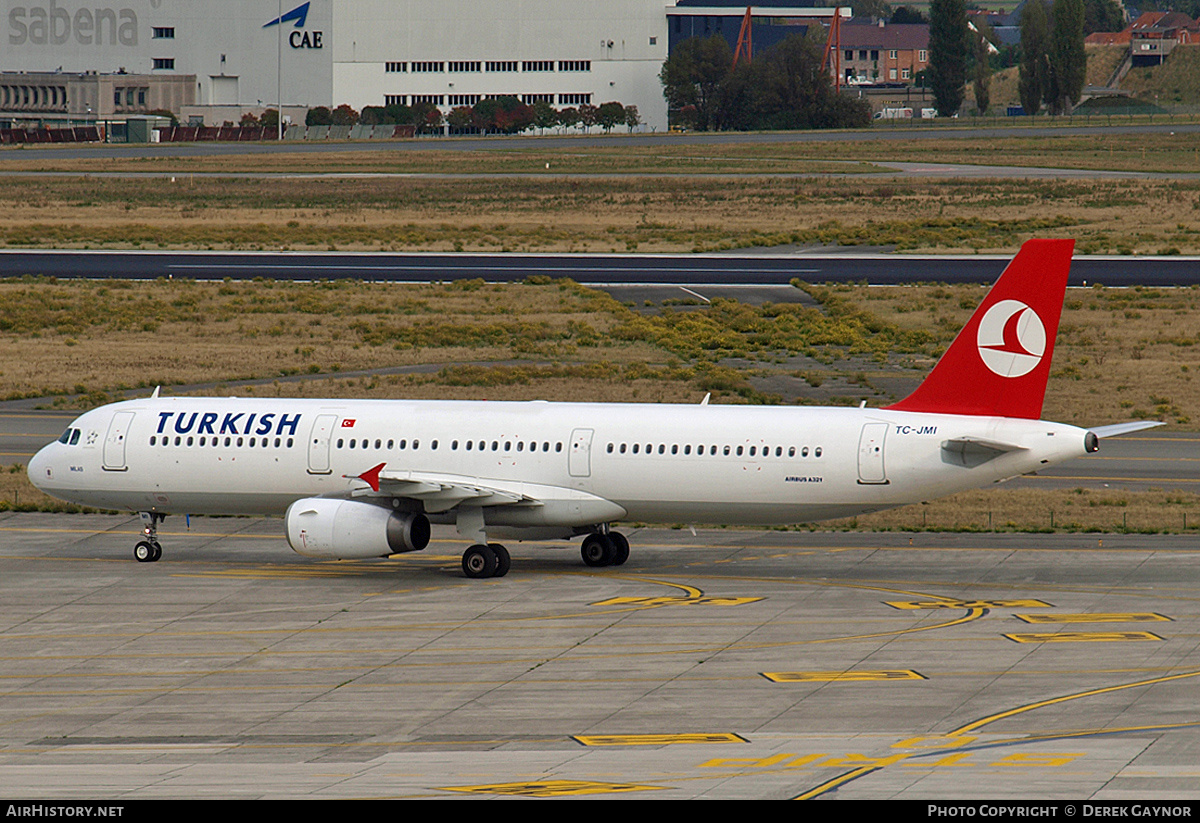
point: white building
(250, 54)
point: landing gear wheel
(147, 552)
(597, 550)
(479, 562)
(503, 559)
(157, 551)
(620, 548)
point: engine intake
(352, 529)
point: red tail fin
(999, 363)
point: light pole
(279, 71)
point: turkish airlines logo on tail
(1011, 338)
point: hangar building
(251, 54)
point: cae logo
(52, 25)
(298, 39)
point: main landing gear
(486, 560)
(605, 549)
(148, 550)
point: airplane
(356, 479)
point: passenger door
(114, 443)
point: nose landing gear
(148, 550)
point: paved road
(968, 131)
(597, 270)
(727, 664)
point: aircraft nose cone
(41, 470)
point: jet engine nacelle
(352, 529)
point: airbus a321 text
(366, 478)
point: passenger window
(817, 452)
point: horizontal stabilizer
(1125, 428)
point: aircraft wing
(1124, 428)
(441, 492)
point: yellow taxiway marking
(655, 739)
(552, 788)
(841, 677)
(677, 601)
(968, 604)
(1081, 637)
(1133, 617)
(963, 732)
(976, 725)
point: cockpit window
(69, 437)
(74, 436)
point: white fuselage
(661, 463)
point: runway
(730, 664)
(602, 271)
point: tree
(609, 115)
(513, 116)
(787, 88)
(589, 115)
(249, 120)
(568, 117)
(1068, 61)
(269, 119)
(460, 119)
(319, 116)
(693, 75)
(344, 115)
(1035, 61)
(632, 118)
(1102, 15)
(544, 116)
(904, 14)
(948, 49)
(983, 71)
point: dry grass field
(601, 214)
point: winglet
(999, 363)
(370, 476)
